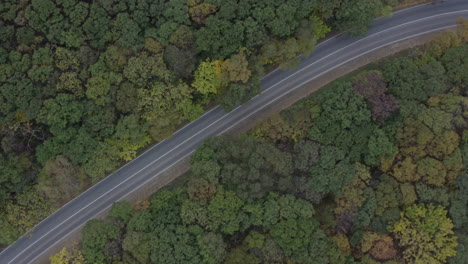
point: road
(328, 55)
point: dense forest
(86, 84)
(370, 169)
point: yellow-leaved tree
(65, 256)
(426, 234)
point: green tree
(144, 67)
(332, 172)
(96, 235)
(126, 32)
(175, 244)
(180, 60)
(224, 212)
(99, 86)
(238, 93)
(387, 194)
(97, 26)
(249, 166)
(13, 171)
(121, 211)
(357, 15)
(455, 61)
(212, 248)
(69, 81)
(65, 59)
(138, 245)
(409, 81)
(21, 214)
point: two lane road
(329, 55)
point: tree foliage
(426, 233)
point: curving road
(328, 55)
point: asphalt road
(328, 55)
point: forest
(370, 169)
(87, 84)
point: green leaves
(332, 172)
(96, 235)
(249, 166)
(408, 80)
(224, 212)
(61, 112)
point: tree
(434, 195)
(175, 244)
(42, 65)
(61, 112)
(425, 233)
(65, 59)
(138, 245)
(372, 86)
(207, 78)
(322, 250)
(357, 15)
(387, 194)
(200, 12)
(333, 171)
(66, 256)
(442, 42)
(344, 122)
(219, 38)
(121, 211)
(180, 60)
(432, 171)
(96, 235)
(182, 37)
(272, 253)
(249, 166)
(351, 198)
(126, 32)
(144, 67)
(99, 86)
(294, 236)
(115, 59)
(241, 256)
(200, 189)
(407, 80)
(127, 98)
(23, 211)
(164, 102)
(69, 81)
(13, 175)
(97, 26)
(59, 181)
(212, 248)
(238, 93)
(235, 69)
(455, 61)
(224, 212)
(381, 247)
(104, 159)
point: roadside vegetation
(370, 169)
(85, 85)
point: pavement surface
(329, 55)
